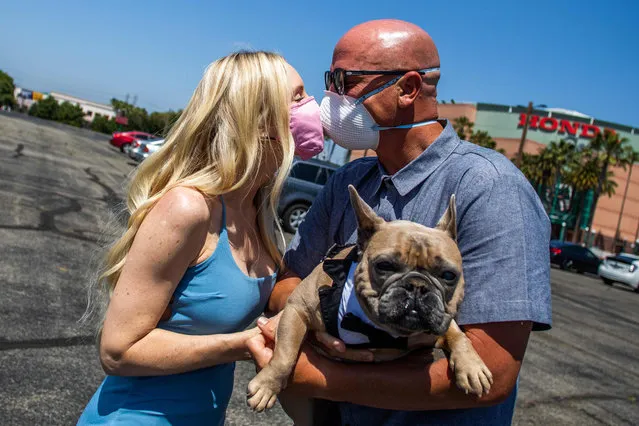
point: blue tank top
(213, 297)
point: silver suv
(302, 186)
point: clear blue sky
(581, 55)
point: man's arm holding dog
(282, 289)
(409, 383)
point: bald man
(381, 95)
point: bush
(103, 124)
(46, 108)
(71, 114)
(6, 90)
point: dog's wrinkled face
(409, 278)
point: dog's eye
(448, 275)
(386, 266)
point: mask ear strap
(406, 126)
(376, 91)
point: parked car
(124, 140)
(573, 257)
(137, 145)
(302, 186)
(144, 149)
(622, 268)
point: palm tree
(630, 158)
(531, 168)
(464, 127)
(554, 160)
(583, 176)
(609, 151)
(482, 138)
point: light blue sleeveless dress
(213, 297)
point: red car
(125, 140)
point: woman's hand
(261, 346)
(309, 378)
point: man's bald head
(385, 44)
(411, 96)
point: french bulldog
(407, 282)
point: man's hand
(336, 348)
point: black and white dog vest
(341, 312)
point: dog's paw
(471, 374)
(263, 390)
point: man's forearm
(413, 383)
(282, 289)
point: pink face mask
(306, 128)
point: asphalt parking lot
(58, 186)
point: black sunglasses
(337, 77)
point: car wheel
(294, 216)
(126, 148)
(566, 264)
(607, 281)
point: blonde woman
(199, 258)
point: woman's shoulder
(185, 208)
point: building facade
(25, 98)
(505, 123)
(90, 108)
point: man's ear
(367, 221)
(448, 222)
(409, 86)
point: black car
(574, 257)
(306, 180)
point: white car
(144, 149)
(622, 268)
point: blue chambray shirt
(503, 236)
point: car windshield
(624, 259)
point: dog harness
(341, 312)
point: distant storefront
(504, 124)
(25, 98)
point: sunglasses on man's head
(337, 77)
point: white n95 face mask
(347, 121)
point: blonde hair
(216, 147)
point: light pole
(520, 152)
(632, 158)
(522, 142)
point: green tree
(71, 114)
(45, 108)
(608, 150)
(554, 161)
(103, 124)
(138, 117)
(482, 138)
(531, 168)
(464, 127)
(6, 90)
(465, 130)
(583, 176)
(159, 123)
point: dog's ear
(367, 221)
(448, 222)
